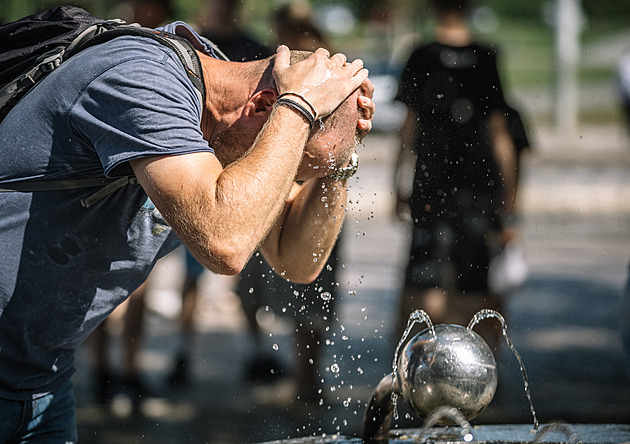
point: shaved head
(332, 139)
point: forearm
(302, 241)
(405, 162)
(222, 215)
(505, 156)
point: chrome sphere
(453, 367)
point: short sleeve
(140, 107)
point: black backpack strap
(107, 186)
(92, 36)
(182, 47)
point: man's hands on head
(322, 81)
(367, 106)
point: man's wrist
(297, 107)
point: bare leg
(133, 332)
(103, 375)
(308, 343)
(190, 297)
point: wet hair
(343, 115)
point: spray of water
(486, 314)
(416, 316)
(454, 415)
(557, 427)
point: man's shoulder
(126, 47)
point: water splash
(557, 427)
(416, 316)
(486, 314)
(454, 415)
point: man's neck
(223, 97)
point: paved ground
(564, 322)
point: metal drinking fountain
(443, 365)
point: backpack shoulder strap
(107, 186)
(182, 47)
(92, 36)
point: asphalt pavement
(575, 225)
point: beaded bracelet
(299, 108)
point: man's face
(330, 144)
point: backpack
(34, 46)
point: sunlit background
(383, 33)
(558, 62)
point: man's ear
(261, 103)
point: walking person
(462, 201)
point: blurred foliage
(531, 9)
(387, 30)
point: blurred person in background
(625, 321)
(130, 384)
(311, 308)
(294, 26)
(152, 13)
(220, 21)
(456, 139)
(220, 24)
(623, 87)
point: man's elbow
(225, 260)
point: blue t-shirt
(64, 268)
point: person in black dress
(457, 139)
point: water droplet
(334, 368)
(251, 290)
(326, 296)
(275, 346)
(416, 316)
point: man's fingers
(367, 88)
(323, 51)
(368, 106)
(358, 78)
(364, 125)
(340, 58)
(354, 66)
(283, 57)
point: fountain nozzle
(443, 365)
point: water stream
(557, 427)
(454, 415)
(416, 316)
(486, 314)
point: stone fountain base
(495, 434)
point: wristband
(299, 108)
(301, 98)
